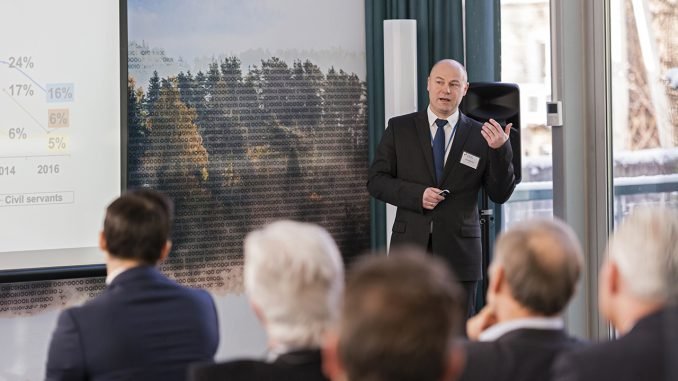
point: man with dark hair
(143, 326)
(137, 226)
(398, 320)
(431, 165)
(532, 278)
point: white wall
(24, 339)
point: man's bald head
(449, 63)
(447, 85)
(542, 261)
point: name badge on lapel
(469, 160)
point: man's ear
(257, 312)
(102, 242)
(614, 279)
(497, 277)
(605, 289)
(166, 248)
(454, 365)
(332, 367)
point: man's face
(446, 87)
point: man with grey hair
(532, 278)
(638, 294)
(294, 279)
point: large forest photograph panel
(245, 113)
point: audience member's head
(534, 273)
(640, 273)
(137, 227)
(294, 278)
(536, 265)
(399, 317)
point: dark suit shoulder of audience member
(303, 365)
(642, 354)
(524, 354)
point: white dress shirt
(499, 330)
(113, 274)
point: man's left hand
(493, 133)
(485, 319)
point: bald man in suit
(432, 164)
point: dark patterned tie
(439, 150)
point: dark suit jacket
(143, 326)
(520, 355)
(303, 365)
(403, 168)
(648, 352)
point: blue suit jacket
(144, 326)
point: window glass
(525, 60)
(644, 70)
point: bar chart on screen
(59, 125)
(35, 143)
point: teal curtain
(483, 40)
(483, 64)
(440, 34)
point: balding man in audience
(639, 296)
(294, 279)
(398, 321)
(520, 332)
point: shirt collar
(278, 350)
(499, 330)
(113, 274)
(452, 119)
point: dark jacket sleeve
(212, 324)
(65, 357)
(383, 182)
(499, 179)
